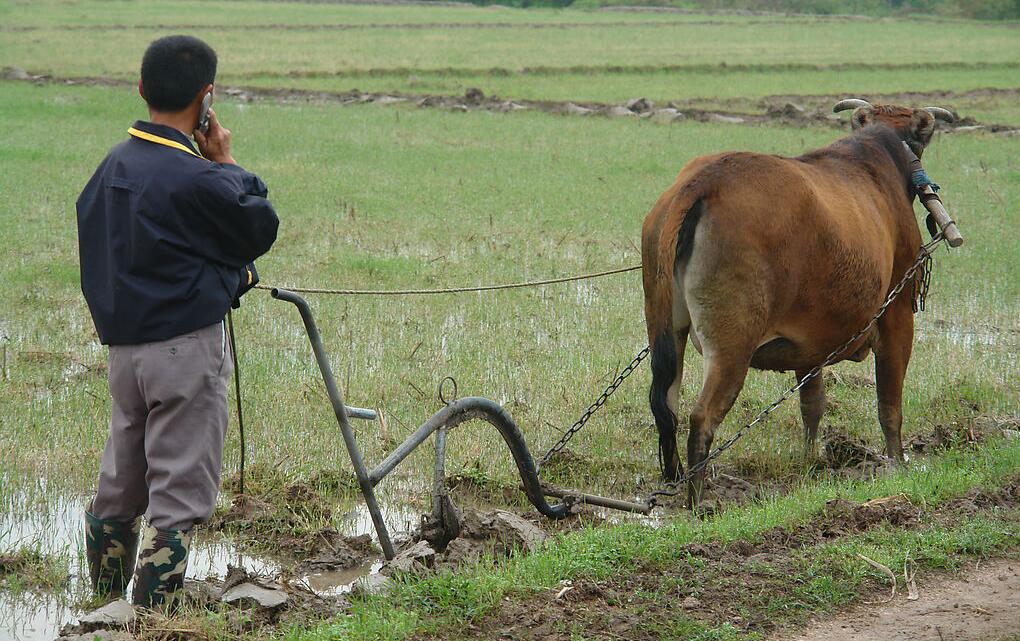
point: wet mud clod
(496, 533)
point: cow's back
(803, 248)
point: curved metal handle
(477, 407)
(453, 414)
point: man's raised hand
(215, 143)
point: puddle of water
(31, 617)
(399, 518)
(339, 582)
(54, 526)
(58, 530)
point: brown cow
(772, 262)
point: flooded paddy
(53, 527)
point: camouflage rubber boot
(110, 548)
(162, 561)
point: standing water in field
(52, 527)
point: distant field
(113, 51)
(730, 89)
(79, 14)
(599, 56)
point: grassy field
(540, 54)
(477, 198)
(394, 197)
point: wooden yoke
(933, 204)
(926, 193)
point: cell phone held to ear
(203, 113)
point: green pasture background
(398, 197)
(696, 60)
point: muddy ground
(720, 583)
(732, 583)
(278, 516)
(790, 110)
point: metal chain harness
(594, 407)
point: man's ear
(141, 92)
(861, 117)
(922, 126)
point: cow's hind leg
(812, 406)
(724, 377)
(892, 354)
(664, 395)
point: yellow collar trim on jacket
(159, 140)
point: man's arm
(231, 218)
(233, 214)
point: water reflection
(53, 525)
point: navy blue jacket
(166, 238)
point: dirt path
(983, 605)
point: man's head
(177, 72)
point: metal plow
(455, 412)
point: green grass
(515, 198)
(28, 568)
(249, 13)
(830, 575)
(650, 42)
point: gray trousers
(169, 418)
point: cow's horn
(941, 114)
(850, 103)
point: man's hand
(215, 143)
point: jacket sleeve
(249, 279)
(230, 220)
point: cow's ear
(861, 117)
(922, 126)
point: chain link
(675, 487)
(594, 407)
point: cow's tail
(664, 362)
(664, 252)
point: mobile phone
(203, 113)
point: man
(167, 234)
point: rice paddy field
(416, 146)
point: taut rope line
(451, 290)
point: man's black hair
(174, 70)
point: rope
(237, 394)
(451, 290)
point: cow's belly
(781, 354)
